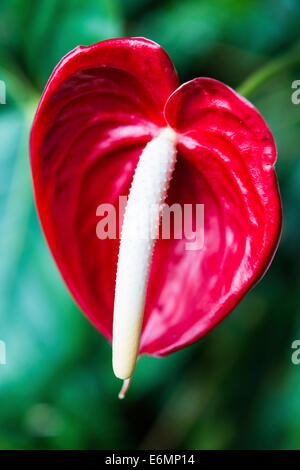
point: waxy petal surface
(101, 106)
(225, 161)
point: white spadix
(139, 231)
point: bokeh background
(236, 388)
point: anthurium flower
(113, 116)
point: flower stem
(124, 388)
(268, 71)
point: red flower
(101, 106)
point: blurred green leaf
(227, 29)
(49, 29)
(237, 387)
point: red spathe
(101, 106)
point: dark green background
(237, 387)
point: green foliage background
(235, 389)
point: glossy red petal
(226, 155)
(102, 104)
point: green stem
(268, 71)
